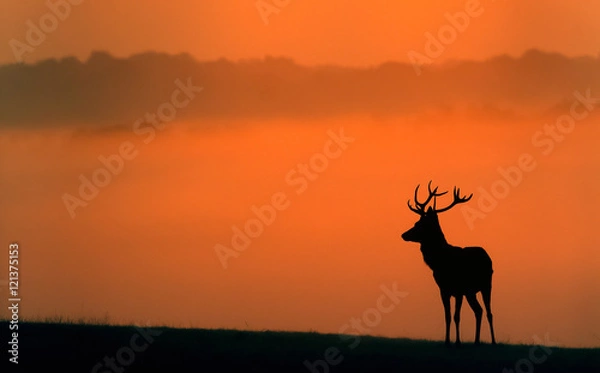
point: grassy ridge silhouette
(69, 347)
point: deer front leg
(459, 299)
(447, 315)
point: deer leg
(447, 315)
(487, 300)
(474, 303)
(458, 305)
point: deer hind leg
(447, 315)
(458, 305)
(487, 300)
(474, 303)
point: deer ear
(429, 210)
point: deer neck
(434, 250)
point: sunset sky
(144, 248)
(350, 32)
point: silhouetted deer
(458, 272)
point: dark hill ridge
(108, 89)
(80, 348)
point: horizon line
(291, 59)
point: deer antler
(420, 207)
(457, 199)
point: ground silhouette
(80, 348)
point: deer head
(427, 228)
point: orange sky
(348, 32)
(144, 248)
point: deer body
(471, 272)
(458, 272)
